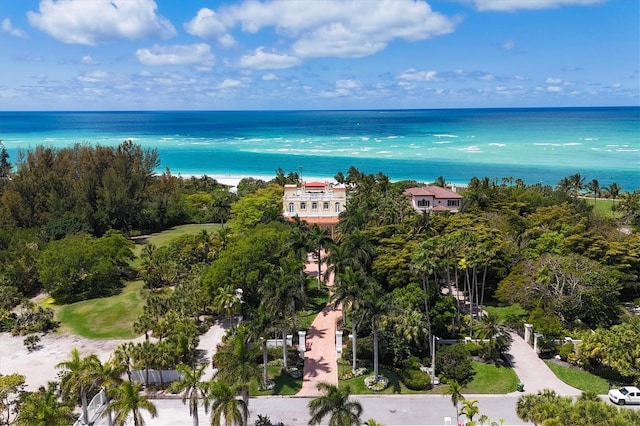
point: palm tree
(470, 408)
(577, 184)
(125, 400)
(43, 408)
(236, 360)
(285, 297)
(614, 190)
(225, 300)
(319, 238)
(348, 290)
(110, 375)
(225, 405)
(594, 187)
(122, 355)
(192, 387)
(373, 310)
(79, 377)
(335, 403)
(338, 259)
(372, 422)
(490, 327)
(564, 185)
(360, 247)
(455, 391)
(261, 325)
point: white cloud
(414, 75)
(554, 89)
(262, 60)
(88, 60)
(552, 80)
(93, 77)
(270, 77)
(194, 54)
(229, 83)
(329, 28)
(509, 45)
(100, 21)
(511, 5)
(348, 84)
(206, 25)
(7, 27)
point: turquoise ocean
(538, 145)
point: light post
(433, 359)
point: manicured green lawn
(491, 379)
(161, 238)
(395, 384)
(105, 318)
(504, 312)
(603, 207)
(285, 384)
(580, 379)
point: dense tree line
(66, 214)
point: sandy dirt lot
(38, 367)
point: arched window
(337, 207)
(291, 208)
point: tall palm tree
(564, 185)
(236, 360)
(319, 238)
(336, 404)
(192, 387)
(80, 375)
(126, 400)
(338, 259)
(348, 290)
(226, 408)
(373, 309)
(110, 376)
(454, 390)
(43, 408)
(577, 184)
(285, 297)
(360, 247)
(594, 187)
(614, 190)
(261, 325)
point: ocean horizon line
(488, 108)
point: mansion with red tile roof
(434, 199)
(315, 202)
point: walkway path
(533, 372)
(320, 360)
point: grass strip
(579, 379)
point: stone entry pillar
(339, 343)
(528, 333)
(302, 342)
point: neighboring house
(434, 199)
(315, 202)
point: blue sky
(317, 54)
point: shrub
(415, 379)
(32, 342)
(453, 362)
(565, 351)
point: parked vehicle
(625, 395)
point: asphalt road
(389, 410)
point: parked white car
(625, 395)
